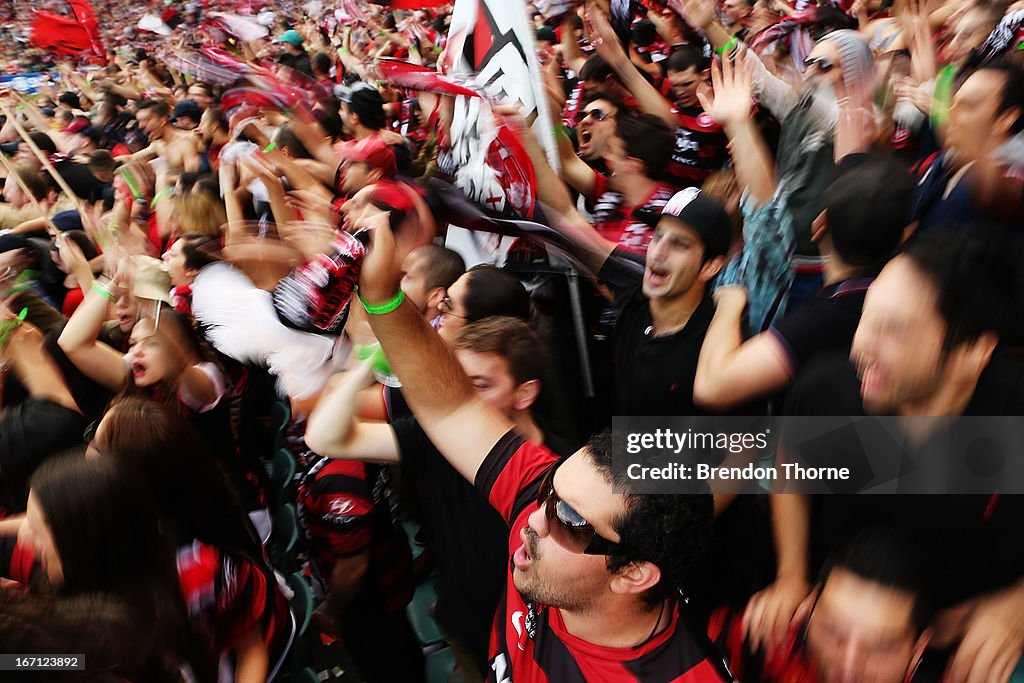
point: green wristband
(7, 327)
(385, 307)
(160, 195)
(727, 47)
(97, 287)
(271, 147)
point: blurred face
(35, 534)
(149, 122)
(453, 309)
(971, 30)
(551, 574)
(13, 194)
(491, 378)
(348, 119)
(898, 345)
(735, 11)
(185, 123)
(975, 125)
(150, 357)
(174, 258)
(207, 128)
(200, 96)
(596, 128)
(24, 153)
(825, 64)
(684, 86)
(861, 632)
(125, 312)
(357, 176)
(675, 261)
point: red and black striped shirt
(344, 511)
(701, 148)
(529, 643)
(226, 595)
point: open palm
(731, 100)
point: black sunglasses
(568, 528)
(598, 114)
(824, 64)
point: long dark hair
(193, 491)
(106, 530)
(101, 627)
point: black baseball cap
(188, 109)
(703, 215)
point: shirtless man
(177, 148)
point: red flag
(86, 17)
(59, 35)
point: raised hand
(697, 13)
(733, 92)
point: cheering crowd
(309, 352)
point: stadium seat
(303, 600)
(284, 538)
(418, 610)
(440, 665)
(280, 414)
(282, 474)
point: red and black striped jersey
(701, 148)
(226, 595)
(627, 226)
(344, 512)
(788, 663)
(529, 643)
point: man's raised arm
(434, 385)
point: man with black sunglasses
(566, 615)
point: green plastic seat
(280, 415)
(282, 474)
(285, 538)
(302, 601)
(440, 665)
(423, 625)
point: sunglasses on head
(598, 114)
(568, 528)
(824, 64)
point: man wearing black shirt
(863, 222)
(662, 307)
(663, 313)
(927, 345)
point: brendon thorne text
(818, 455)
(750, 472)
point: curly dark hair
(670, 531)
